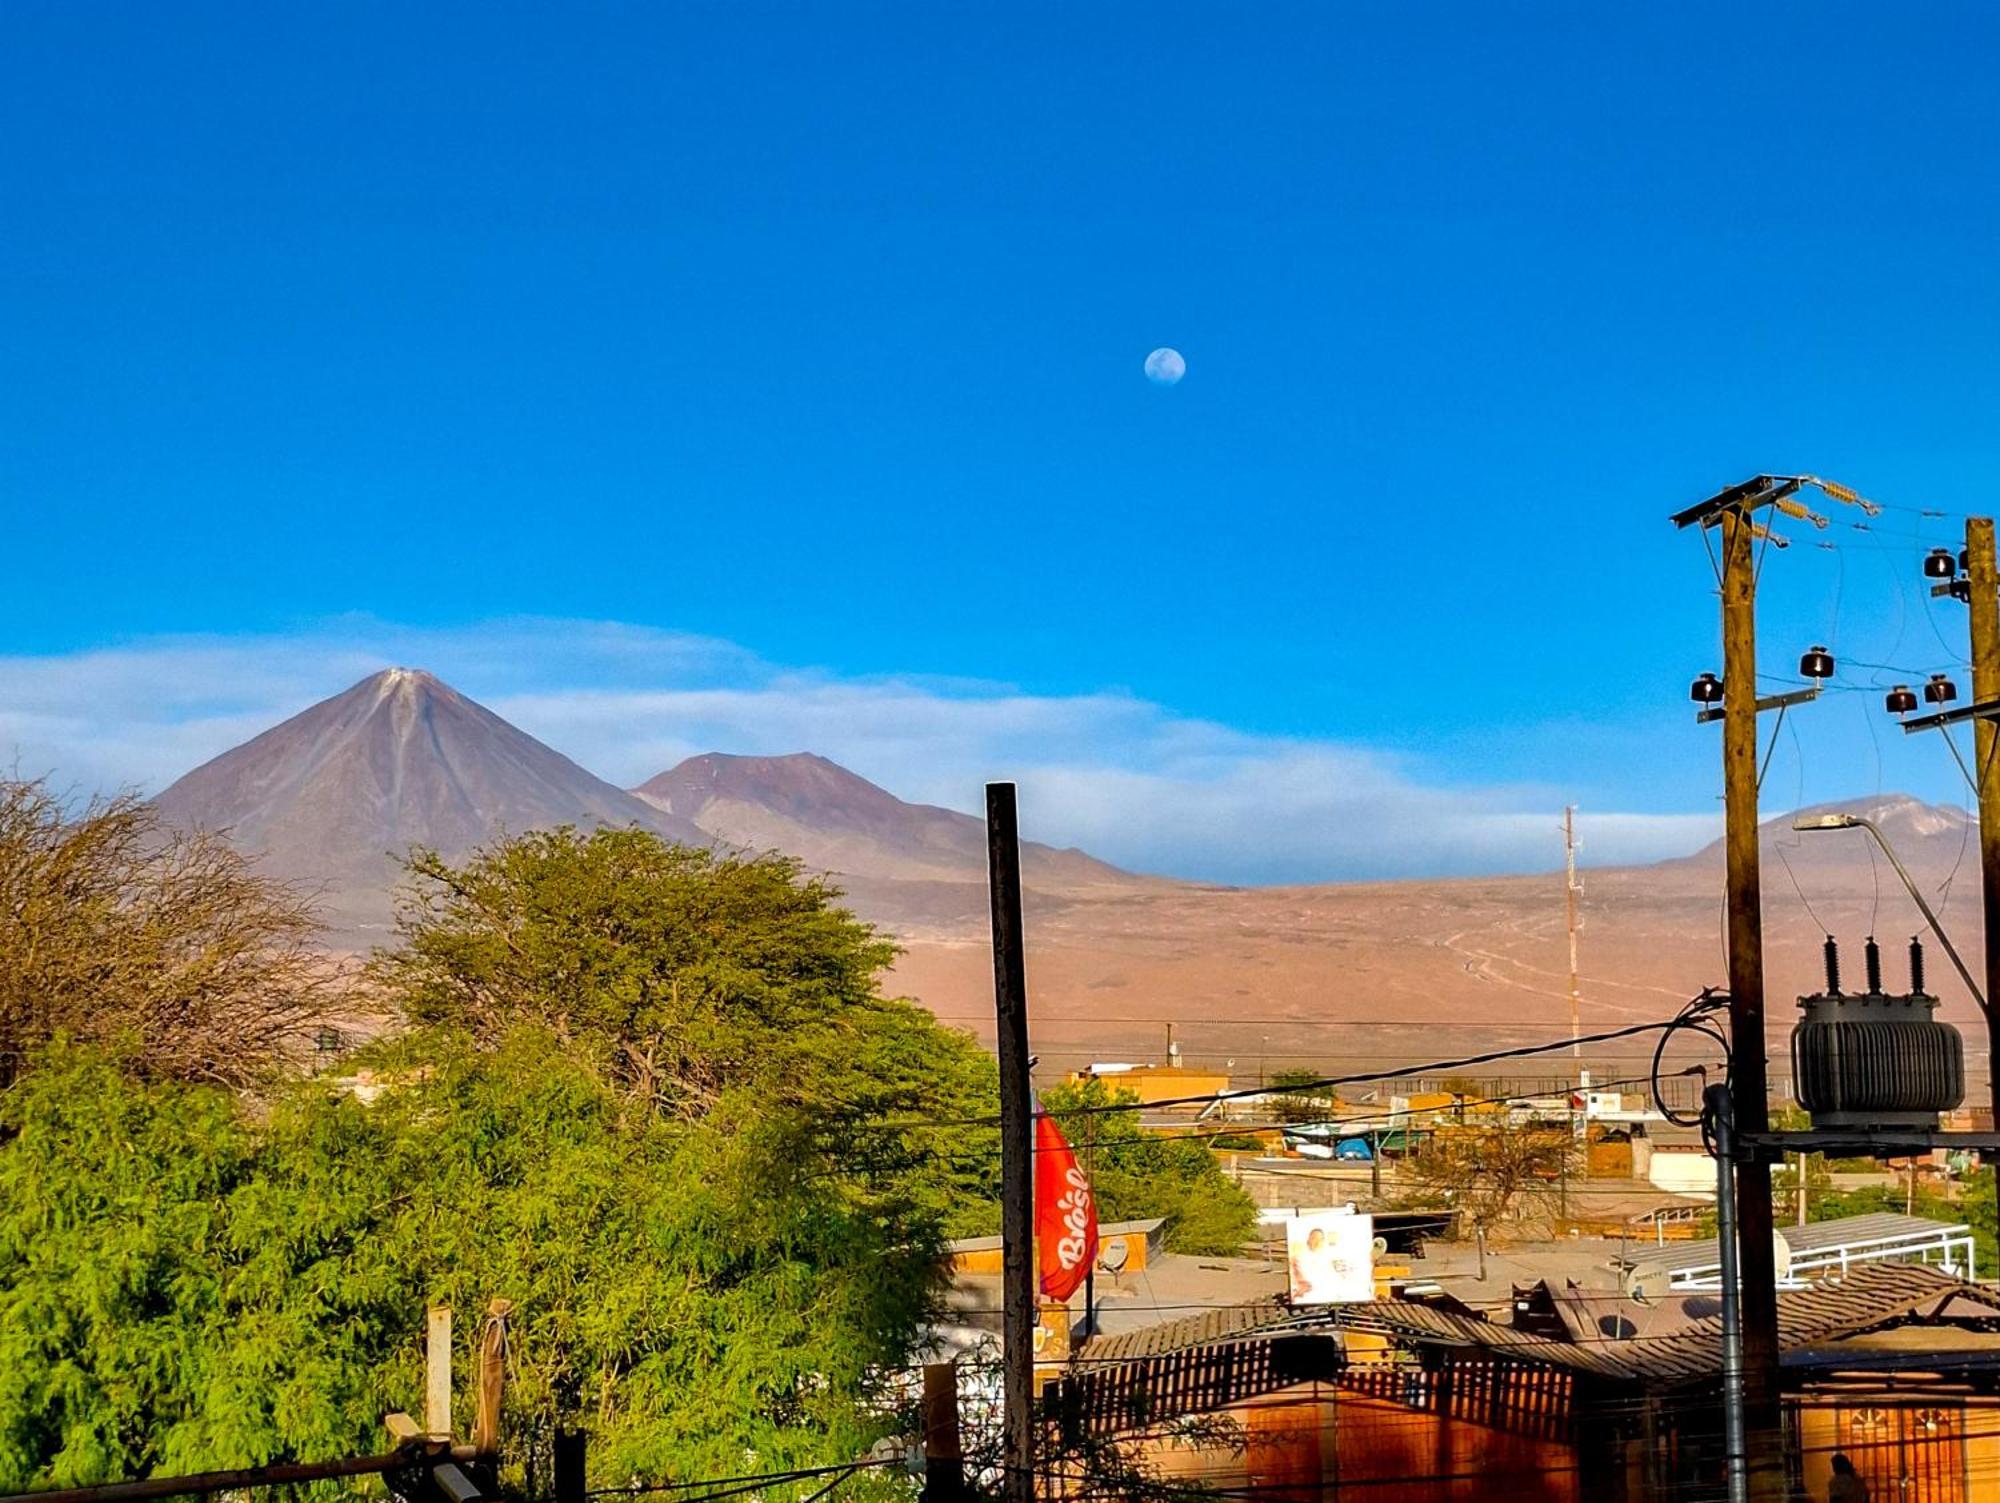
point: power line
(1433, 1067)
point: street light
(1809, 822)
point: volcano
(335, 797)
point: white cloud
(1121, 777)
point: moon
(1164, 367)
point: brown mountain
(913, 867)
(1932, 840)
(1350, 975)
(1361, 975)
(332, 797)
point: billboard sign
(1332, 1256)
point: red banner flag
(1065, 1212)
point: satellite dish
(1113, 1253)
(1380, 1246)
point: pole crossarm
(1768, 702)
(1985, 709)
(1743, 497)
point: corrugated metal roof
(1220, 1324)
(1817, 1236)
(1848, 1231)
(1867, 1295)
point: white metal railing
(1948, 1247)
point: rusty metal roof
(1868, 1295)
(1223, 1323)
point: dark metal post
(569, 1465)
(1721, 1114)
(1010, 998)
(944, 1459)
(1754, 1221)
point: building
(1154, 1084)
(1576, 1397)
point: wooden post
(1754, 1220)
(570, 1456)
(437, 1372)
(492, 1378)
(944, 1458)
(1983, 611)
(1017, 1212)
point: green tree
(653, 1098)
(155, 1314)
(681, 971)
(684, 975)
(1137, 1174)
(1300, 1098)
(184, 1287)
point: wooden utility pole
(1570, 892)
(1983, 610)
(1746, 999)
(1017, 1208)
(492, 1378)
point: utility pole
(1754, 1228)
(1570, 892)
(1983, 612)
(1017, 1208)
(1731, 512)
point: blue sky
(814, 334)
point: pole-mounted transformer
(1876, 1059)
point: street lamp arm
(1808, 822)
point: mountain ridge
(837, 821)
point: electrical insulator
(1899, 700)
(1816, 664)
(1872, 959)
(1706, 690)
(1965, 561)
(1940, 690)
(1939, 564)
(1832, 967)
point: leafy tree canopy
(1138, 1174)
(182, 1287)
(685, 975)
